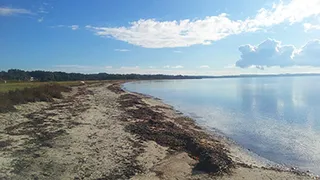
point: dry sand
(92, 134)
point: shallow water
(277, 118)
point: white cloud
(268, 53)
(154, 34)
(122, 50)
(74, 27)
(150, 33)
(177, 51)
(294, 11)
(309, 54)
(272, 53)
(7, 11)
(204, 67)
(308, 27)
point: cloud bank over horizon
(271, 53)
(150, 33)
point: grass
(40, 92)
(5, 87)
(13, 93)
(11, 86)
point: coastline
(100, 131)
(241, 156)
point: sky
(189, 37)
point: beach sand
(101, 132)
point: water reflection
(284, 99)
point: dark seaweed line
(152, 125)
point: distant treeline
(20, 75)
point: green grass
(11, 86)
(17, 85)
(14, 93)
(45, 92)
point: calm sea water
(277, 118)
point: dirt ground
(101, 132)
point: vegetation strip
(45, 76)
(44, 93)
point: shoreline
(100, 131)
(219, 135)
(248, 158)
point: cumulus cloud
(308, 27)
(272, 53)
(309, 54)
(7, 11)
(268, 53)
(150, 33)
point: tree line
(21, 75)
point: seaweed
(176, 133)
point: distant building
(31, 79)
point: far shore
(100, 131)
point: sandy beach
(99, 131)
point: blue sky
(203, 37)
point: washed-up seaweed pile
(179, 134)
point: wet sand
(102, 132)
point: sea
(277, 118)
